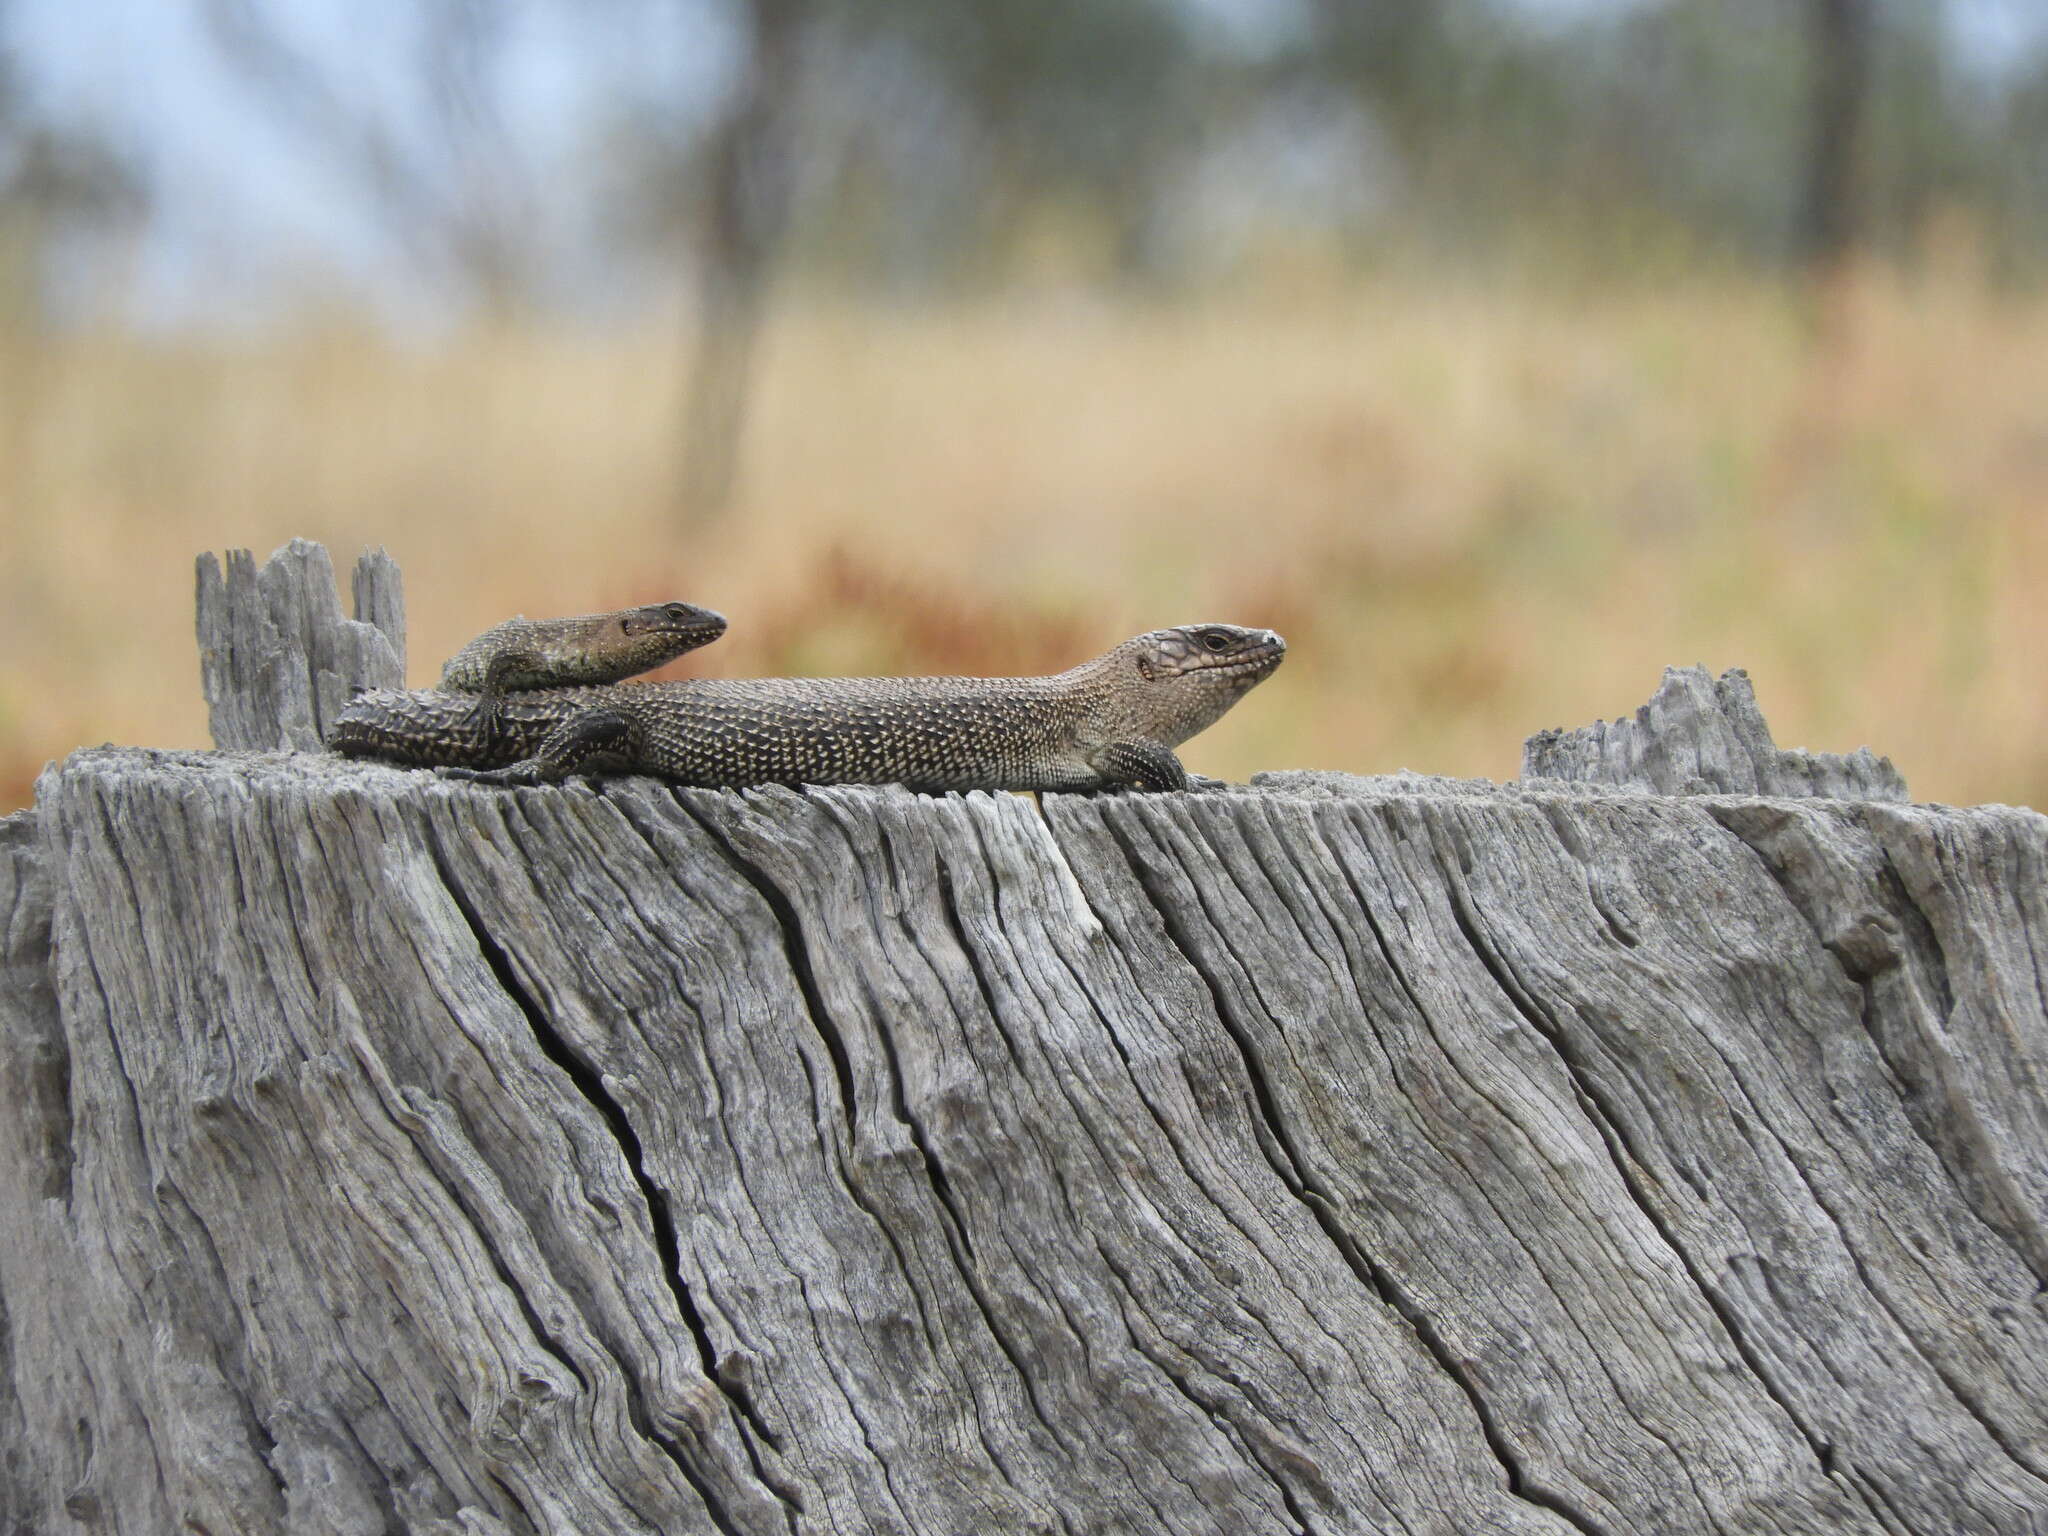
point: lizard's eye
(677, 612)
(1215, 640)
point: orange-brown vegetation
(1474, 513)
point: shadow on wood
(1334, 1155)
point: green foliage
(1489, 131)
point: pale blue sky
(238, 198)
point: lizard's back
(927, 732)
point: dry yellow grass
(1475, 514)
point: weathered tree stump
(277, 660)
(1700, 735)
(1334, 1155)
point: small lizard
(522, 654)
(1107, 723)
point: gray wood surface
(1331, 1155)
(277, 660)
(1703, 735)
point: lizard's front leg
(1146, 765)
(498, 676)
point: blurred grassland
(1474, 513)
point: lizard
(1111, 722)
(523, 654)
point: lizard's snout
(1265, 645)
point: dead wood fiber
(1330, 1155)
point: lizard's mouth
(709, 627)
(1260, 657)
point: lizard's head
(1180, 681)
(700, 626)
(642, 638)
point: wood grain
(1328, 1155)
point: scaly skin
(1111, 722)
(522, 654)
(422, 728)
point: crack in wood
(589, 1083)
(791, 932)
(1940, 1113)
(262, 1441)
(1213, 1410)
(1260, 1125)
(954, 1226)
(789, 928)
(1627, 1163)
(1325, 1209)
(1859, 976)
(36, 1053)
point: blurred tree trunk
(1832, 213)
(752, 178)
